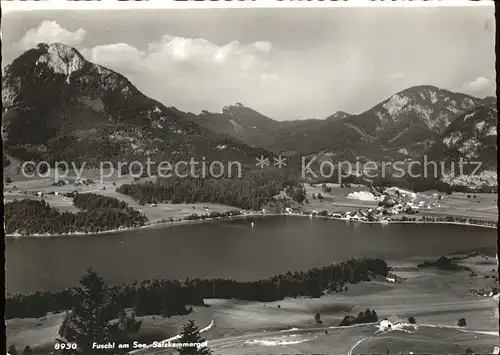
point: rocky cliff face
(471, 137)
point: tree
(27, 350)
(411, 320)
(90, 321)
(317, 318)
(462, 322)
(64, 324)
(191, 334)
(128, 324)
(12, 350)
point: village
(391, 203)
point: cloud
(191, 73)
(477, 85)
(396, 76)
(50, 32)
(268, 77)
(183, 49)
(118, 55)
(181, 70)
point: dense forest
(171, 297)
(99, 213)
(89, 201)
(252, 192)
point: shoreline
(251, 214)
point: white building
(390, 322)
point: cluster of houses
(392, 202)
(42, 193)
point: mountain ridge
(57, 105)
(406, 123)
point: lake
(229, 249)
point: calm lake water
(229, 248)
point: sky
(285, 63)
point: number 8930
(65, 346)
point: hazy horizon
(284, 63)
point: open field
(427, 340)
(161, 212)
(432, 296)
(484, 206)
(358, 340)
(336, 200)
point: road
(354, 346)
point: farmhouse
(391, 322)
(394, 278)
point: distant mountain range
(410, 123)
(57, 105)
(406, 124)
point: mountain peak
(61, 58)
(339, 115)
(57, 104)
(63, 51)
